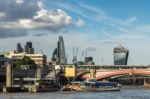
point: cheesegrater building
(120, 55)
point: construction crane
(85, 54)
(41, 51)
(82, 55)
(77, 52)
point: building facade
(61, 51)
(120, 56)
(3, 61)
(39, 59)
(19, 48)
(89, 61)
(59, 54)
(28, 48)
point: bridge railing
(87, 67)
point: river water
(125, 93)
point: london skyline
(94, 26)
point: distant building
(28, 48)
(19, 48)
(39, 59)
(54, 59)
(3, 60)
(120, 56)
(59, 54)
(89, 61)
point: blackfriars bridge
(109, 71)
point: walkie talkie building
(120, 56)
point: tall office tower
(62, 59)
(28, 48)
(19, 48)
(59, 55)
(120, 55)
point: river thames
(125, 93)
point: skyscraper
(19, 48)
(54, 59)
(120, 55)
(28, 48)
(59, 53)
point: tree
(25, 62)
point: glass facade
(61, 51)
(120, 56)
(59, 54)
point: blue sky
(95, 26)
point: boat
(146, 85)
(97, 86)
(92, 85)
(73, 86)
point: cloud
(31, 15)
(14, 11)
(19, 1)
(131, 20)
(80, 23)
(2, 14)
(52, 20)
(39, 35)
(90, 48)
(18, 32)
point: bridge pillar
(92, 73)
(38, 73)
(9, 76)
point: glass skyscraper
(59, 53)
(19, 48)
(120, 56)
(28, 48)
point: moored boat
(97, 86)
(73, 86)
(92, 85)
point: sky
(92, 26)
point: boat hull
(100, 89)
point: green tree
(25, 62)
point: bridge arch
(80, 74)
(121, 74)
(104, 74)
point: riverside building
(39, 59)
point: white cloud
(52, 20)
(2, 14)
(80, 22)
(130, 20)
(19, 1)
(90, 48)
(40, 4)
(32, 14)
